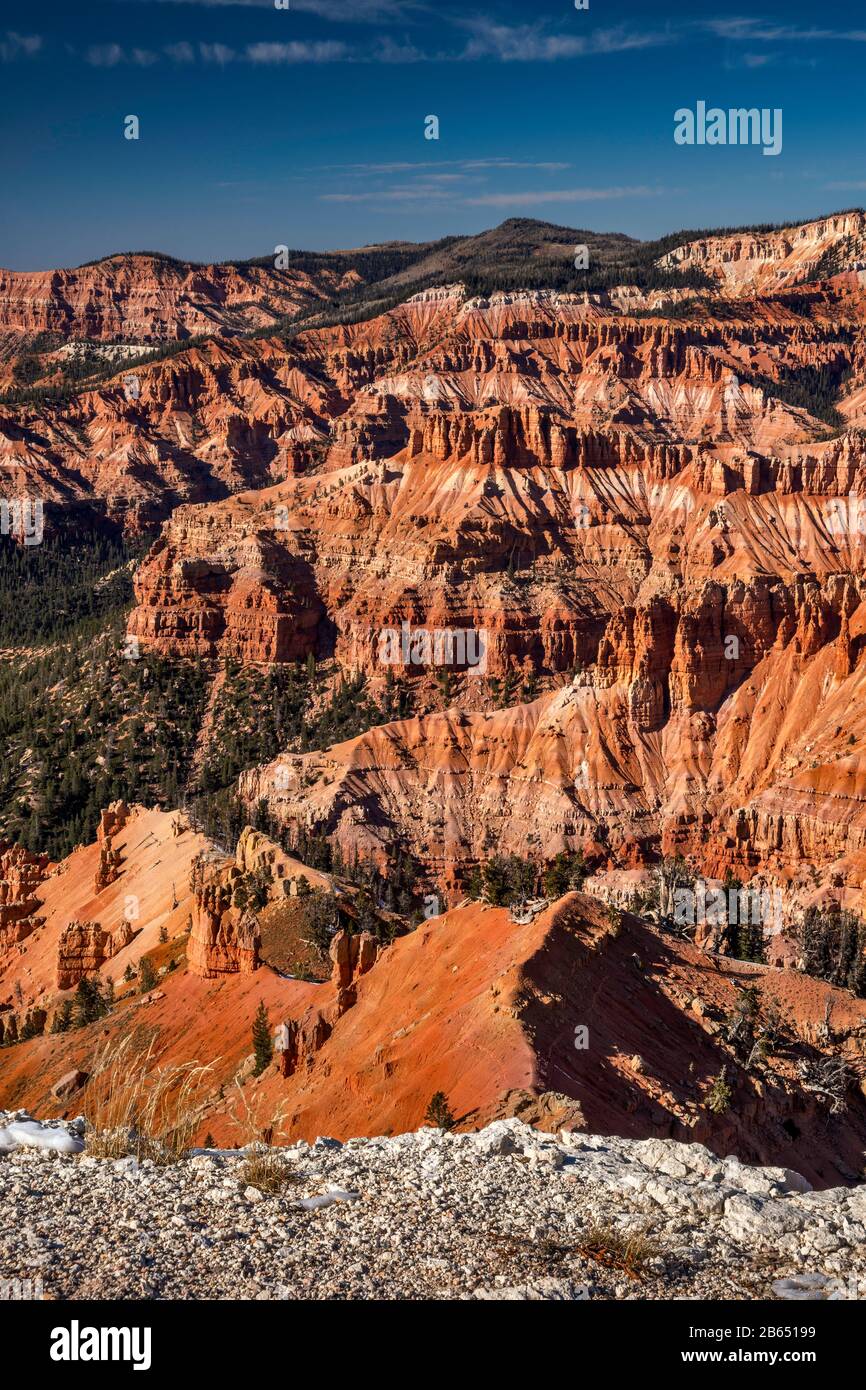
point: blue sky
(305, 126)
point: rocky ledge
(504, 1213)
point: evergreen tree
(439, 1112)
(262, 1044)
(89, 1004)
(146, 975)
(62, 1021)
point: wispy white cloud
(111, 55)
(735, 62)
(428, 167)
(399, 194)
(420, 191)
(561, 195)
(180, 52)
(329, 51)
(339, 11)
(750, 30)
(105, 55)
(535, 43)
(388, 50)
(219, 54)
(19, 46)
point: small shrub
(719, 1095)
(614, 919)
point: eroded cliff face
(84, 947)
(150, 299)
(511, 383)
(21, 875)
(747, 263)
(746, 754)
(98, 911)
(225, 938)
(592, 492)
(623, 496)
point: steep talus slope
(489, 1011)
(143, 883)
(566, 1016)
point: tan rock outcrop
(84, 947)
(224, 939)
(298, 1040)
(21, 874)
(111, 820)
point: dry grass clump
(264, 1166)
(619, 1250)
(136, 1108)
(265, 1169)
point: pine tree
(62, 1020)
(262, 1045)
(146, 975)
(439, 1112)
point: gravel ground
(506, 1213)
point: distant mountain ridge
(149, 298)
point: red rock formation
(108, 868)
(118, 923)
(111, 820)
(745, 263)
(21, 874)
(487, 1010)
(150, 299)
(298, 1040)
(82, 949)
(224, 939)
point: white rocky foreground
(504, 1213)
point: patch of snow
(30, 1134)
